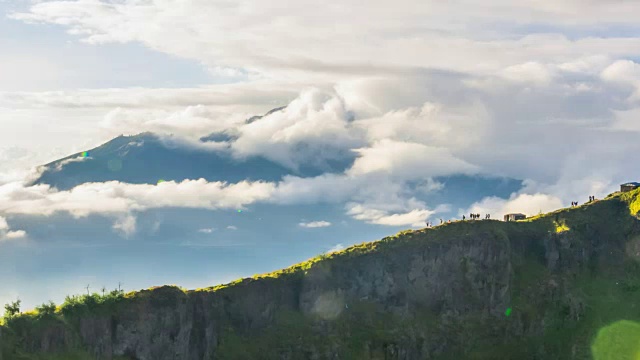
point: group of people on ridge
(591, 198)
(488, 216)
(476, 216)
(471, 216)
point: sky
(545, 92)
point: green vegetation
(561, 227)
(573, 276)
(20, 326)
(12, 309)
(633, 199)
(82, 304)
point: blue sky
(386, 104)
(79, 65)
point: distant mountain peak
(226, 136)
(258, 117)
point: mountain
(563, 285)
(191, 246)
(147, 158)
(258, 117)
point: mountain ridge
(436, 293)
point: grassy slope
(609, 297)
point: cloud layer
(408, 93)
(120, 198)
(290, 39)
(393, 143)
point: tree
(46, 309)
(12, 309)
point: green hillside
(563, 285)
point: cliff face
(538, 289)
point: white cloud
(296, 43)
(231, 227)
(336, 247)
(442, 208)
(429, 185)
(627, 120)
(7, 234)
(206, 231)
(69, 161)
(117, 198)
(414, 217)
(623, 71)
(250, 98)
(530, 72)
(314, 224)
(17, 234)
(312, 128)
(191, 122)
(374, 197)
(329, 188)
(126, 225)
(528, 204)
(408, 160)
(379, 198)
(405, 116)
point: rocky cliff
(541, 288)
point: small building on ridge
(514, 217)
(629, 186)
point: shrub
(12, 309)
(46, 309)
